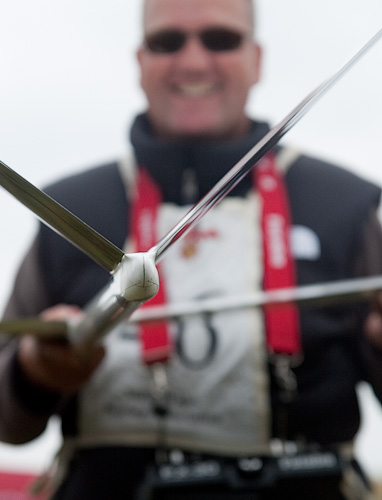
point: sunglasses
(214, 39)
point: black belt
(304, 476)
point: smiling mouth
(196, 89)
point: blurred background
(70, 88)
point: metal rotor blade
(49, 330)
(317, 295)
(334, 293)
(61, 220)
(241, 169)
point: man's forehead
(162, 12)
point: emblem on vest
(193, 238)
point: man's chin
(200, 132)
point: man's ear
(140, 55)
(257, 62)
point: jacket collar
(186, 170)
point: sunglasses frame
(172, 40)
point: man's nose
(194, 53)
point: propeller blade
(334, 293)
(49, 330)
(245, 165)
(61, 220)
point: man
(127, 432)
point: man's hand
(56, 365)
(373, 323)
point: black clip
(159, 389)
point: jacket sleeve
(52, 263)
(24, 408)
(369, 263)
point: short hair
(250, 3)
(252, 14)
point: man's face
(195, 91)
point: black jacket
(336, 204)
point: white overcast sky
(69, 88)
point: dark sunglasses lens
(221, 39)
(165, 42)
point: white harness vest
(218, 381)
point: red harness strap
(156, 342)
(282, 323)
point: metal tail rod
(134, 276)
